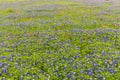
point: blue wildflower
(81, 71)
(71, 61)
(16, 65)
(116, 31)
(103, 53)
(5, 70)
(90, 72)
(114, 71)
(21, 77)
(75, 67)
(72, 79)
(115, 62)
(1, 64)
(56, 70)
(68, 41)
(68, 75)
(99, 77)
(0, 73)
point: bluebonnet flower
(103, 53)
(114, 71)
(104, 38)
(79, 56)
(0, 73)
(16, 65)
(71, 61)
(95, 64)
(2, 44)
(110, 70)
(5, 70)
(88, 56)
(12, 55)
(13, 46)
(81, 62)
(116, 31)
(68, 41)
(75, 67)
(90, 72)
(105, 62)
(21, 77)
(1, 64)
(56, 70)
(11, 59)
(23, 50)
(68, 75)
(47, 60)
(81, 71)
(72, 78)
(115, 62)
(65, 67)
(99, 77)
(26, 74)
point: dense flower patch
(75, 54)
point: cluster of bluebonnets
(57, 55)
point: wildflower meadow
(59, 40)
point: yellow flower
(94, 32)
(104, 26)
(109, 61)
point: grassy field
(59, 40)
